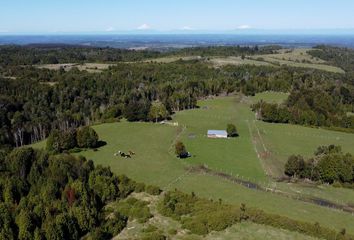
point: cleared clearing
(174, 59)
(221, 61)
(289, 57)
(296, 58)
(90, 67)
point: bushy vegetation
(134, 209)
(329, 165)
(231, 130)
(58, 197)
(202, 216)
(180, 150)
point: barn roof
(217, 132)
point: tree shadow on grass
(101, 143)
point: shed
(217, 134)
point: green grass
(251, 231)
(214, 188)
(289, 57)
(221, 61)
(155, 162)
(270, 97)
(152, 163)
(283, 140)
(234, 156)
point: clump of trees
(84, 137)
(328, 165)
(231, 130)
(157, 111)
(43, 196)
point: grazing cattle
(125, 155)
(131, 152)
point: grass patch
(90, 67)
(271, 97)
(297, 58)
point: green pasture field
(155, 163)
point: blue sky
(51, 16)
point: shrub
(139, 187)
(135, 209)
(153, 190)
(295, 165)
(180, 149)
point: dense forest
(35, 101)
(45, 196)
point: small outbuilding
(217, 134)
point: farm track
(251, 185)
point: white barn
(217, 134)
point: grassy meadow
(155, 161)
(289, 57)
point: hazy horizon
(223, 16)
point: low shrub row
(202, 216)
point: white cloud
(242, 27)
(110, 29)
(187, 28)
(144, 27)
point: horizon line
(346, 31)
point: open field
(234, 156)
(297, 55)
(290, 57)
(283, 140)
(296, 58)
(90, 67)
(174, 59)
(155, 163)
(221, 61)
